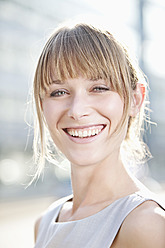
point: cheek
(113, 108)
(50, 113)
(47, 110)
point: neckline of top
(90, 216)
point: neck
(101, 182)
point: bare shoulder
(144, 227)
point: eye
(58, 93)
(100, 88)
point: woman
(91, 99)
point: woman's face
(82, 116)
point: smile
(85, 132)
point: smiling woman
(85, 51)
(90, 102)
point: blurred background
(24, 28)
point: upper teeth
(84, 133)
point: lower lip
(84, 140)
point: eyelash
(100, 89)
(59, 93)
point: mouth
(84, 132)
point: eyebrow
(56, 82)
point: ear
(137, 99)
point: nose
(78, 107)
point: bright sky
(123, 18)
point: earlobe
(138, 96)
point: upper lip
(84, 127)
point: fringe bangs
(74, 53)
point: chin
(83, 160)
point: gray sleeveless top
(96, 231)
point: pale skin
(85, 105)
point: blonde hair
(93, 54)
